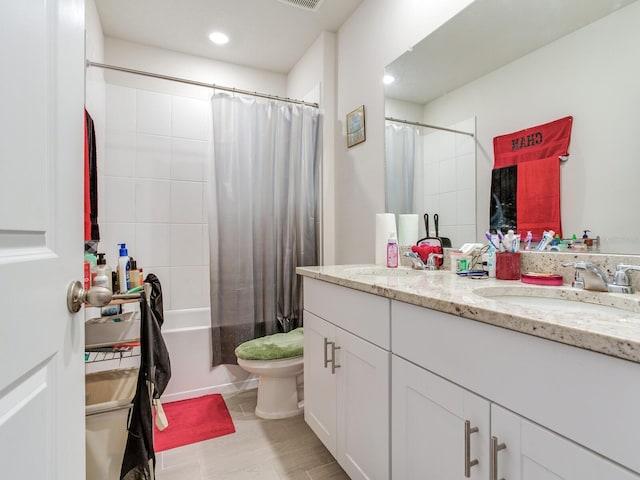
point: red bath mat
(193, 420)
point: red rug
(193, 420)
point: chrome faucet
(431, 260)
(619, 284)
(416, 261)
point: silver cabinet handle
(493, 458)
(326, 356)
(468, 463)
(333, 358)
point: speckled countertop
(612, 331)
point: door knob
(95, 296)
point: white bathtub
(187, 334)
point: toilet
(278, 361)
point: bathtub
(187, 334)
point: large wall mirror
(498, 67)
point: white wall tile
(120, 153)
(153, 158)
(187, 202)
(121, 108)
(187, 159)
(186, 245)
(153, 201)
(153, 113)
(466, 206)
(189, 287)
(120, 200)
(447, 175)
(466, 171)
(153, 246)
(448, 209)
(189, 118)
(205, 243)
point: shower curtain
(404, 169)
(263, 216)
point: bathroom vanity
(413, 374)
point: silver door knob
(95, 296)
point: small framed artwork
(355, 127)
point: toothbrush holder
(508, 265)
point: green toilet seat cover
(272, 347)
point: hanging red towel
(525, 184)
(91, 228)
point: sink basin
(561, 300)
(385, 272)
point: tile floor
(259, 449)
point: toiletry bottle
(90, 258)
(103, 273)
(392, 251)
(491, 261)
(134, 274)
(123, 268)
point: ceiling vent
(311, 5)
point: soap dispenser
(392, 251)
(103, 273)
(123, 268)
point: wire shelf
(104, 354)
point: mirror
(514, 65)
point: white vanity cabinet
(438, 429)
(346, 376)
(577, 412)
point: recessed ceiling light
(387, 79)
(218, 38)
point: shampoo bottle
(123, 269)
(392, 251)
(134, 274)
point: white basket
(106, 331)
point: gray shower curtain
(263, 216)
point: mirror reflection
(512, 66)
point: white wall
(377, 32)
(592, 74)
(317, 68)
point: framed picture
(355, 127)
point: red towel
(423, 252)
(525, 185)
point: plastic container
(123, 269)
(392, 251)
(120, 328)
(108, 398)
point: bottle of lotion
(103, 273)
(392, 251)
(123, 268)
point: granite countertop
(614, 332)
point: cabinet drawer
(362, 314)
(586, 396)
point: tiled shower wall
(152, 191)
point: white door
(319, 381)
(41, 244)
(534, 453)
(363, 407)
(428, 427)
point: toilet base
(278, 398)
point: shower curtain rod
(199, 84)
(418, 124)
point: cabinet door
(428, 427)
(319, 382)
(534, 453)
(363, 407)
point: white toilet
(278, 361)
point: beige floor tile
(284, 449)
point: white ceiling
(265, 34)
(483, 37)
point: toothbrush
(488, 235)
(501, 240)
(527, 240)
